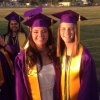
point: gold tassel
(52, 25)
(78, 36)
(58, 44)
(20, 24)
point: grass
(90, 29)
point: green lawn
(90, 29)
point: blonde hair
(61, 45)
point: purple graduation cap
(14, 16)
(32, 12)
(40, 20)
(68, 16)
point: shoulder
(7, 35)
(22, 34)
(87, 59)
(20, 60)
(20, 55)
(86, 54)
(87, 62)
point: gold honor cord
(52, 25)
(65, 92)
(67, 80)
(79, 29)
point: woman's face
(40, 36)
(14, 25)
(67, 32)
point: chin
(40, 45)
(70, 41)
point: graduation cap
(40, 20)
(14, 16)
(68, 16)
(32, 12)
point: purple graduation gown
(22, 89)
(88, 87)
(14, 46)
(7, 88)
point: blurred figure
(6, 75)
(16, 35)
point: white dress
(47, 80)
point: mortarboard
(32, 12)
(14, 16)
(28, 15)
(40, 20)
(68, 16)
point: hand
(2, 42)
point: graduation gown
(6, 80)
(88, 80)
(22, 88)
(86, 85)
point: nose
(40, 34)
(67, 31)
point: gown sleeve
(21, 93)
(88, 87)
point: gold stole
(21, 39)
(73, 78)
(34, 83)
(33, 78)
(10, 65)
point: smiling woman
(67, 32)
(78, 76)
(39, 62)
(40, 36)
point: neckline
(46, 64)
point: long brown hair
(33, 54)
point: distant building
(8, 0)
(13, 0)
(85, 2)
(64, 3)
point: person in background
(78, 74)
(37, 71)
(6, 75)
(16, 36)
